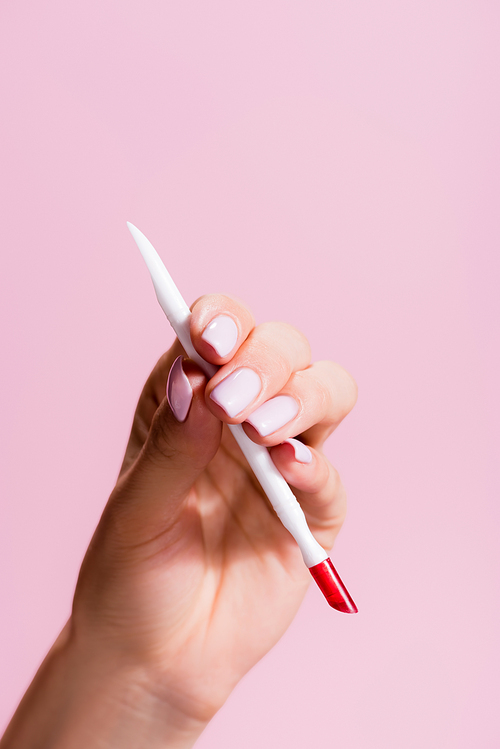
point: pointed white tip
(136, 233)
(147, 250)
(166, 291)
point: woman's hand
(190, 577)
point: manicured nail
(302, 453)
(179, 391)
(237, 391)
(273, 414)
(221, 334)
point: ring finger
(314, 400)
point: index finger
(219, 325)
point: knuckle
(352, 390)
(318, 483)
(300, 343)
(159, 444)
(336, 482)
(279, 361)
(281, 365)
(339, 389)
(162, 444)
(283, 345)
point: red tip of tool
(332, 587)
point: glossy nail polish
(221, 334)
(237, 391)
(179, 391)
(273, 414)
(302, 452)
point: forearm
(80, 699)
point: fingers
(151, 397)
(259, 368)
(219, 325)
(256, 362)
(267, 382)
(317, 486)
(265, 378)
(313, 403)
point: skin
(190, 578)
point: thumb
(183, 438)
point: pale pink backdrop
(336, 165)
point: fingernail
(273, 414)
(179, 391)
(221, 334)
(302, 453)
(237, 391)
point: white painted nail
(237, 391)
(221, 334)
(273, 414)
(302, 452)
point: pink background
(335, 165)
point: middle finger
(313, 403)
(260, 368)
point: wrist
(85, 697)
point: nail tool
(274, 485)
